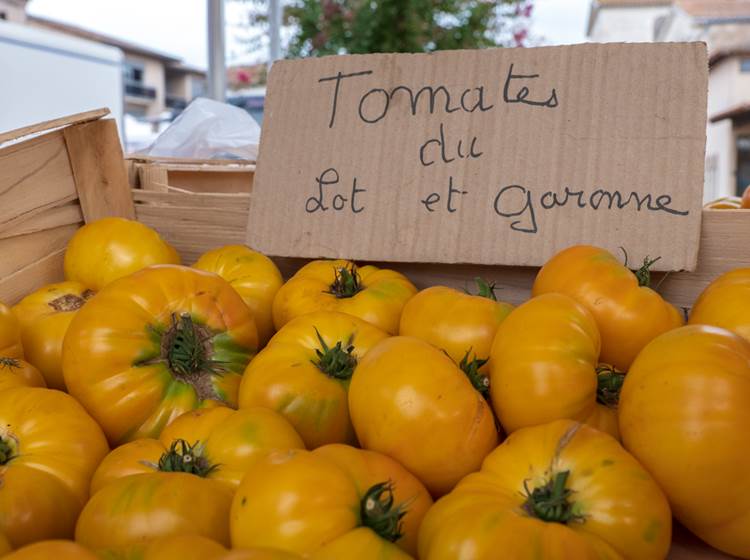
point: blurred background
(148, 59)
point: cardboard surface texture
(498, 156)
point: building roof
(738, 112)
(183, 68)
(126, 46)
(715, 9)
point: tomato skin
(284, 378)
(411, 402)
(301, 501)
(5, 547)
(454, 321)
(724, 303)
(128, 513)
(628, 315)
(746, 198)
(46, 481)
(44, 316)
(726, 203)
(57, 549)
(255, 277)
(114, 358)
(15, 372)
(380, 302)
(259, 554)
(10, 334)
(543, 365)
(110, 248)
(362, 544)
(182, 547)
(626, 515)
(231, 439)
(684, 414)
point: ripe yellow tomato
(49, 448)
(259, 554)
(543, 367)
(746, 198)
(300, 501)
(462, 324)
(373, 294)
(10, 334)
(19, 373)
(184, 547)
(362, 544)
(44, 316)
(559, 491)
(52, 549)
(684, 413)
(725, 203)
(5, 547)
(725, 303)
(155, 344)
(628, 313)
(305, 371)
(255, 277)
(221, 441)
(107, 249)
(410, 401)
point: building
(724, 25)
(154, 82)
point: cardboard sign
(499, 156)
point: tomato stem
(378, 512)
(8, 449)
(346, 283)
(608, 384)
(186, 458)
(550, 502)
(644, 273)
(485, 289)
(10, 363)
(338, 361)
(471, 368)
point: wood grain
(45, 271)
(52, 124)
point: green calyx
(186, 458)
(9, 363)
(8, 449)
(379, 512)
(346, 283)
(479, 380)
(551, 501)
(485, 289)
(644, 272)
(187, 349)
(338, 361)
(608, 385)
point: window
(745, 65)
(198, 87)
(132, 72)
(3, 16)
(743, 163)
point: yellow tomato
(304, 374)
(559, 491)
(156, 344)
(543, 367)
(49, 448)
(302, 501)
(44, 316)
(684, 413)
(107, 249)
(52, 549)
(725, 303)
(10, 334)
(5, 547)
(410, 401)
(18, 373)
(373, 294)
(463, 325)
(255, 277)
(362, 544)
(221, 441)
(259, 554)
(184, 547)
(627, 311)
(725, 203)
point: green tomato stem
(379, 513)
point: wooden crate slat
(195, 200)
(32, 277)
(54, 123)
(21, 251)
(66, 214)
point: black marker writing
(523, 93)
(426, 160)
(328, 178)
(338, 77)
(434, 198)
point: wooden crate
(55, 176)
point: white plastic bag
(207, 129)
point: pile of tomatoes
(153, 410)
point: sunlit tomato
(463, 325)
(44, 316)
(725, 203)
(628, 313)
(543, 367)
(746, 198)
(255, 277)
(53, 549)
(684, 413)
(362, 544)
(5, 547)
(49, 448)
(559, 491)
(107, 249)
(301, 500)
(725, 303)
(373, 294)
(221, 442)
(304, 374)
(259, 554)
(410, 401)
(184, 547)
(156, 344)
(19, 373)
(10, 334)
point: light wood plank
(46, 270)
(175, 199)
(64, 215)
(152, 177)
(19, 252)
(54, 123)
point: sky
(178, 27)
